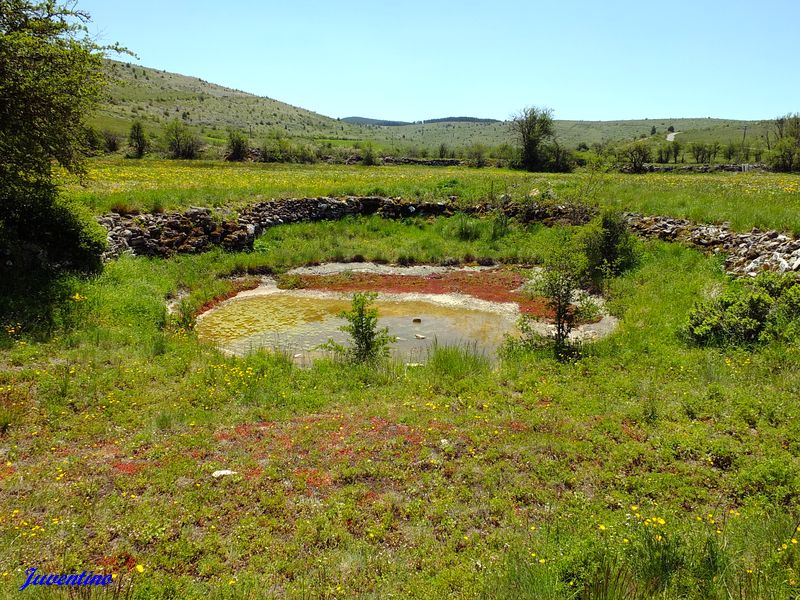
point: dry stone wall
(198, 229)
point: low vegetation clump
(238, 146)
(766, 309)
(279, 149)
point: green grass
(455, 479)
(746, 200)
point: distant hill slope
(384, 123)
(376, 122)
(157, 97)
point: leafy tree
(533, 127)
(635, 155)
(713, 150)
(51, 77)
(137, 139)
(700, 152)
(785, 154)
(676, 148)
(653, 130)
(758, 151)
(180, 141)
(671, 129)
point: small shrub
(94, 141)
(368, 157)
(587, 310)
(476, 154)
(609, 247)
(369, 342)
(238, 146)
(137, 139)
(564, 269)
(766, 309)
(111, 141)
(785, 156)
(724, 453)
(279, 149)
(180, 141)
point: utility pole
(744, 135)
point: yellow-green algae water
(298, 324)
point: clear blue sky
(412, 60)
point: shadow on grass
(37, 302)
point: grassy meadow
(745, 200)
(646, 468)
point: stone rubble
(199, 229)
(706, 168)
(746, 253)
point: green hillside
(157, 97)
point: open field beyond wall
(764, 200)
(646, 468)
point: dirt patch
(491, 285)
(127, 468)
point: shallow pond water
(297, 323)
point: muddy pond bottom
(298, 323)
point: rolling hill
(156, 97)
